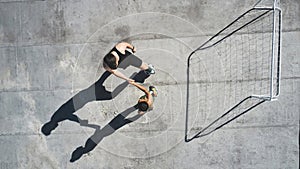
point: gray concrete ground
(51, 50)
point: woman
(145, 102)
(119, 56)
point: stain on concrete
(195, 10)
(8, 24)
(54, 28)
(10, 36)
(145, 36)
(122, 31)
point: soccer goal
(233, 72)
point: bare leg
(148, 68)
(144, 66)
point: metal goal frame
(275, 67)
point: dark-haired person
(145, 102)
(120, 57)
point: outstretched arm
(142, 88)
(119, 74)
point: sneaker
(153, 89)
(150, 69)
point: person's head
(111, 60)
(143, 106)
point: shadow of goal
(233, 72)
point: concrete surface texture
(52, 50)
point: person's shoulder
(120, 47)
(122, 44)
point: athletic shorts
(130, 60)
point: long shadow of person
(119, 121)
(96, 92)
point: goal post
(234, 71)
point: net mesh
(231, 66)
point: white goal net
(234, 71)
